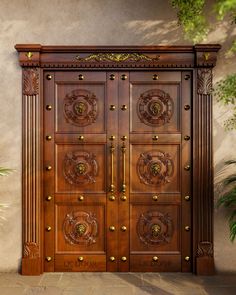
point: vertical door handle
(112, 149)
(123, 149)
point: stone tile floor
(117, 284)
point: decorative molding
(155, 167)
(80, 107)
(204, 81)
(205, 249)
(80, 167)
(80, 227)
(31, 81)
(155, 107)
(31, 250)
(117, 57)
(155, 228)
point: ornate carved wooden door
(117, 178)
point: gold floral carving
(117, 57)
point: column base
(205, 266)
(31, 267)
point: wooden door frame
(35, 59)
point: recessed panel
(155, 168)
(80, 108)
(155, 107)
(80, 168)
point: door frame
(35, 59)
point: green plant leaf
(228, 199)
(5, 171)
(232, 228)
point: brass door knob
(81, 198)
(49, 77)
(112, 107)
(112, 77)
(187, 228)
(48, 228)
(155, 137)
(81, 258)
(187, 107)
(124, 77)
(187, 198)
(112, 259)
(48, 198)
(123, 198)
(155, 258)
(81, 137)
(187, 137)
(48, 258)
(124, 107)
(112, 198)
(124, 228)
(187, 167)
(48, 137)
(112, 228)
(155, 198)
(81, 77)
(155, 77)
(187, 258)
(123, 258)
(48, 168)
(48, 107)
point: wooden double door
(117, 177)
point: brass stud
(48, 198)
(187, 167)
(187, 137)
(155, 198)
(29, 55)
(48, 228)
(81, 258)
(112, 228)
(112, 137)
(155, 77)
(187, 198)
(112, 259)
(112, 77)
(124, 77)
(187, 107)
(124, 228)
(155, 137)
(81, 77)
(48, 137)
(123, 138)
(81, 198)
(186, 77)
(155, 258)
(81, 137)
(123, 258)
(123, 198)
(48, 168)
(48, 107)
(124, 107)
(187, 258)
(48, 258)
(112, 107)
(112, 198)
(49, 77)
(187, 228)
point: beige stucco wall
(89, 22)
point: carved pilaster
(203, 173)
(31, 263)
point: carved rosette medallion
(204, 81)
(80, 108)
(155, 167)
(80, 227)
(155, 107)
(80, 167)
(155, 228)
(30, 81)
(31, 250)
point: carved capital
(30, 81)
(204, 81)
(205, 249)
(31, 250)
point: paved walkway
(116, 284)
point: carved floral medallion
(80, 107)
(155, 107)
(80, 227)
(80, 167)
(155, 167)
(155, 228)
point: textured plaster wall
(90, 22)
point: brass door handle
(112, 149)
(123, 149)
